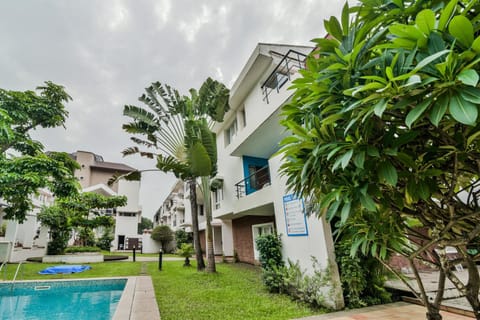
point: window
(243, 118)
(230, 132)
(257, 231)
(217, 197)
(200, 210)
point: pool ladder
(16, 274)
(4, 265)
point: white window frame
(231, 132)
(217, 198)
(257, 230)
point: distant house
(93, 175)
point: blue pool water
(42, 300)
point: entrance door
(121, 243)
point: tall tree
(24, 167)
(386, 134)
(177, 128)
(145, 223)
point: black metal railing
(290, 63)
(253, 182)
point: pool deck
(138, 300)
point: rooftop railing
(290, 63)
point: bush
(163, 234)
(105, 241)
(86, 237)
(181, 237)
(82, 249)
(3, 229)
(186, 251)
(354, 273)
(270, 249)
(58, 243)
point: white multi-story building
(93, 176)
(253, 199)
(172, 210)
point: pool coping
(137, 301)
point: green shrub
(163, 234)
(362, 278)
(3, 229)
(105, 241)
(82, 249)
(181, 237)
(270, 249)
(86, 236)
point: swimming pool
(69, 299)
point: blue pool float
(65, 269)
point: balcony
(290, 64)
(254, 182)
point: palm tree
(178, 129)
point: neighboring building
(93, 176)
(172, 210)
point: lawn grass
(234, 292)
(29, 271)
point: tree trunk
(210, 251)
(211, 268)
(196, 235)
(473, 284)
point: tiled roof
(112, 166)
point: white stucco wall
(130, 189)
(150, 245)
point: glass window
(231, 132)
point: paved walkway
(392, 311)
(138, 301)
(452, 297)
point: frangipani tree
(386, 133)
(177, 128)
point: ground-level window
(260, 230)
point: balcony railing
(254, 182)
(291, 63)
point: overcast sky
(106, 52)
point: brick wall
(243, 238)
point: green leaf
(476, 45)
(367, 202)
(425, 21)
(345, 212)
(470, 94)
(428, 60)
(199, 160)
(333, 27)
(387, 173)
(473, 137)
(438, 110)
(468, 77)
(359, 159)
(446, 15)
(380, 107)
(461, 28)
(346, 158)
(462, 110)
(345, 18)
(416, 112)
(423, 190)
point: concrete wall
(150, 245)
(130, 189)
